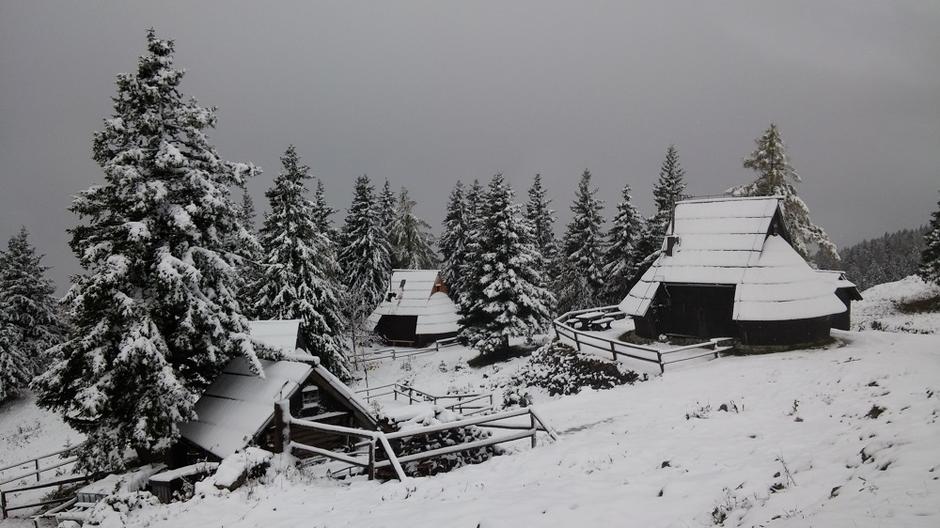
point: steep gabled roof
(239, 404)
(736, 241)
(419, 293)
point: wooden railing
(617, 348)
(393, 353)
(375, 440)
(484, 402)
(37, 469)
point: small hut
(727, 269)
(237, 409)
(416, 309)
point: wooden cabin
(727, 269)
(237, 409)
(416, 309)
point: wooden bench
(602, 323)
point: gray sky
(425, 93)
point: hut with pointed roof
(416, 309)
(727, 269)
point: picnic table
(596, 320)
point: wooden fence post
(577, 344)
(281, 426)
(36, 460)
(372, 459)
(613, 350)
(532, 426)
(662, 366)
(3, 504)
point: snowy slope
(27, 431)
(879, 309)
(661, 453)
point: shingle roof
(412, 289)
(725, 241)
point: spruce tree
(154, 316)
(777, 177)
(620, 260)
(542, 219)
(454, 238)
(323, 213)
(249, 274)
(412, 244)
(466, 281)
(387, 205)
(581, 279)
(364, 258)
(930, 257)
(299, 267)
(15, 371)
(27, 302)
(669, 189)
(506, 299)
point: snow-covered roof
(413, 292)
(278, 334)
(239, 404)
(728, 241)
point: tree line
(173, 266)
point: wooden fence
(661, 357)
(38, 466)
(393, 353)
(375, 440)
(466, 403)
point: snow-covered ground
(879, 309)
(846, 436)
(26, 431)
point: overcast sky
(426, 93)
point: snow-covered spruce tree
(620, 260)
(466, 282)
(580, 281)
(249, 268)
(299, 267)
(412, 243)
(153, 316)
(323, 213)
(27, 302)
(542, 219)
(669, 189)
(454, 238)
(387, 205)
(507, 298)
(364, 258)
(15, 371)
(776, 177)
(930, 258)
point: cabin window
(671, 242)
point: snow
(185, 471)
(278, 334)
(798, 446)
(725, 241)
(414, 295)
(879, 307)
(234, 466)
(26, 431)
(239, 404)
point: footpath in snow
(845, 436)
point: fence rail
(375, 440)
(619, 348)
(37, 469)
(393, 353)
(413, 394)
